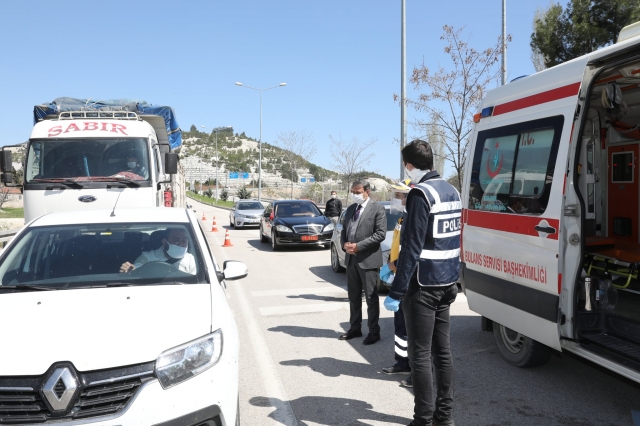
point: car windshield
(73, 256)
(250, 206)
(392, 219)
(296, 209)
(87, 159)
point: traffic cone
(215, 227)
(227, 240)
(203, 217)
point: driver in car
(173, 251)
(134, 167)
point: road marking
(283, 413)
(299, 291)
(303, 309)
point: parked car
(337, 253)
(295, 223)
(246, 212)
(143, 346)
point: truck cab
(97, 159)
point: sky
(340, 60)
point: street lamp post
(260, 142)
(216, 130)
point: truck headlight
(183, 362)
(329, 227)
(283, 228)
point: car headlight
(183, 362)
(240, 216)
(283, 228)
(329, 227)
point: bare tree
(434, 136)
(453, 94)
(4, 195)
(298, 147)
(351, 157)
(537, 58)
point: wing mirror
(233, 270)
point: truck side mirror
(7, 177)
(170, 163)
(5, 161)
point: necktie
(356, 215)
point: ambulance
(550, 241)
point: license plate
(309, 238)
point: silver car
(246, 212)
(337, 253)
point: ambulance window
(513, 167)
(533, 159)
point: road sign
(233, 175)
(312, 179)
(244, 175)
(303, 179)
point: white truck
(82, 156)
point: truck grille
(308, 229)
(22, 405)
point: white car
(83, 343)
(246, 212)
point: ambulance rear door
(513, 199)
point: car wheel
(519, 350)
(263, 239)
(335, 261)
(274, 244)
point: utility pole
(403, 86)
(504, 42)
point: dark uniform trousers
(400, 329)
(357, 280)
(426, 311)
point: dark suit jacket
(371, 231)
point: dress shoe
(396, 369)
(350, 335)
(371, 339)
(407, 383)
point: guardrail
(6, 236)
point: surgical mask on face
(416, 174)
(131, 164)
(334, 196)
(357, 198)
(396, 206)
(176, 252)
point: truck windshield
(87, 159)
(102, 255)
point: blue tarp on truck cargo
(135, 105)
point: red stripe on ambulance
(513, 223)
(540, 98)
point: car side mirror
(170, 163)
(234, 270)
(266, 215)
(6, 162)
(233, 209)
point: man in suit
(365, 227)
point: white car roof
(122, 215)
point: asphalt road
(294, 370)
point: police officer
(425, 282)
(401, 366)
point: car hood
(302, 220)
(250, 212)
(98, 328)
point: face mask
(415, 175)
(334, 196)
(131, 164)
(396, 206)
(357, 198)
(176, 252)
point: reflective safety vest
(439, 262)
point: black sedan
(295, 223)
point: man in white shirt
(173, 251)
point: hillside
(239, 153)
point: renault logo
(60, 388)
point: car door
(511, 224)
